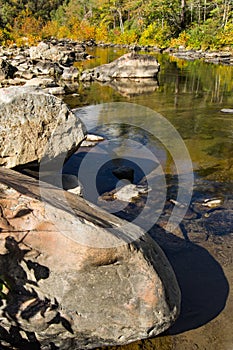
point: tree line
(199, 24)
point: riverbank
(208, 56)
(52, 64)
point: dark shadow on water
(97, 177)
(204, 287)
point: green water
(190, 95)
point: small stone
(212, 203)
(40, 82)
(227, 110)
(91, 140)
(129, 192)
(57, 90)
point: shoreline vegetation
(199, 25)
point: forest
(193, 24)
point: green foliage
(191, 23)
(156, 35)
(225, 35)
(203, 36)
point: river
(197, 170)
(190, 95)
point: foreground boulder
(61, 289)
(130, 65)
(29, 117)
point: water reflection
(133, 87)
(190, 95)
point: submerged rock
(63, 289)
(124, 172)
(30, 119)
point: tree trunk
(182, 14)
(120, 20)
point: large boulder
(130, 65)
(32, 123)
(61, 289)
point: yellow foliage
(182, 40)
(128, 37)
(225, 37)
(83, 31)
(26, 29)
(1, 35)
(50, 29)
(63, 32)
(101, 33)
(156, 35)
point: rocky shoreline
(50, 65)
(217, 57)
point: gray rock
(70, 73)
(130, 65)
(43, 82)
(53, 53)
(27, 74)
(74, 294)
(129, 192)
(37, 52)
(48, 68)
(29, 118)
(227, 110)
(56, 90)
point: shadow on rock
(204, 287)
(22, 309)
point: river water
(172, 121)
(172, 132)
(190, 95)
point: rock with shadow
(75, 277)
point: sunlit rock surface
(33, 124)
(130, 65)
(61, 288)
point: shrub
(156, 35)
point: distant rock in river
(130, 65)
